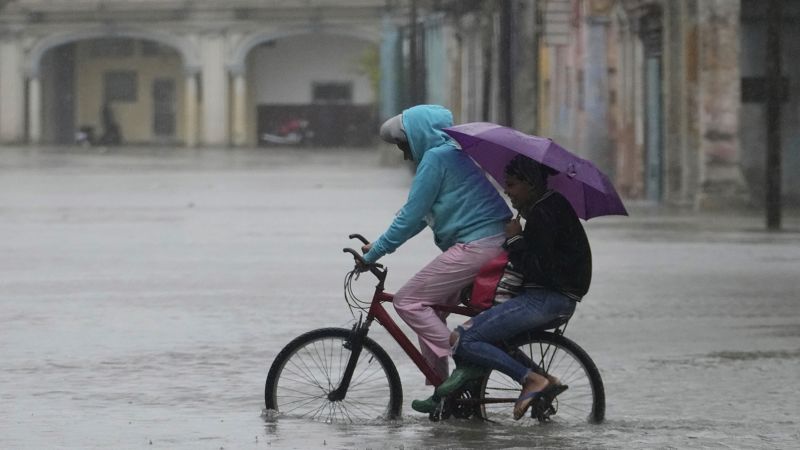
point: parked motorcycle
(291, 132)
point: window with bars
(332, 92)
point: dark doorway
(164, 114)
(58, 87)
(327, 125)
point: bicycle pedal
(438, 413)
(542, 413)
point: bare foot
(534, 384)
(553, 380)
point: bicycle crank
(442, 411)
(461, 404)
(543, 412)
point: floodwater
(145, 292)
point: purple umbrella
(493, 146)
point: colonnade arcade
(215, 107)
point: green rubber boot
(426, 406)
(460, 375)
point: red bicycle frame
(378, 312)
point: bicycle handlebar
(359, 237)
(374, 268)
(361, 259)
(356, 256)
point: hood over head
(392, 130)
(424, 128)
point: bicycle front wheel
(584, 400)
(311, 366)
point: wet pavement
(144, 293)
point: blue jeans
(531, 310)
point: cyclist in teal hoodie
(467, 215)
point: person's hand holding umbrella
(513, 227)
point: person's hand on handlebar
(360, 266)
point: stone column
(680, 156)
(215, 91)
(12, 92)
(721, 180)
(596, 87)
(190, 108)
(34, 110)
(239, 107)
(526, 67)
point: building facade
(170, 71)
(666, 96)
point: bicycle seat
(555, 323)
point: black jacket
(552, 251)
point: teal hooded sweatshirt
(449, 192)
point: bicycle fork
(355, 343)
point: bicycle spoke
(318, 411)
(335, 409)
(310, 401)
(376, 407)
(557, 357)
(317, 360)
(311, 372)
(373, 377)
(304, 377)
(315, 368)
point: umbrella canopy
(586, 188)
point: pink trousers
(440, 282)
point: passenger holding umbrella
(552, 253)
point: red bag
(495, 283)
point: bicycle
(342, 375)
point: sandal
(545, 397)
(524, 402)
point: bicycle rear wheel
(584, 400)
(311, 366)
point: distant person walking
(111, 131)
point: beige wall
(283, 73)
(135, 118)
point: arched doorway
(109, 88)
(116, 90)
(326, 81)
